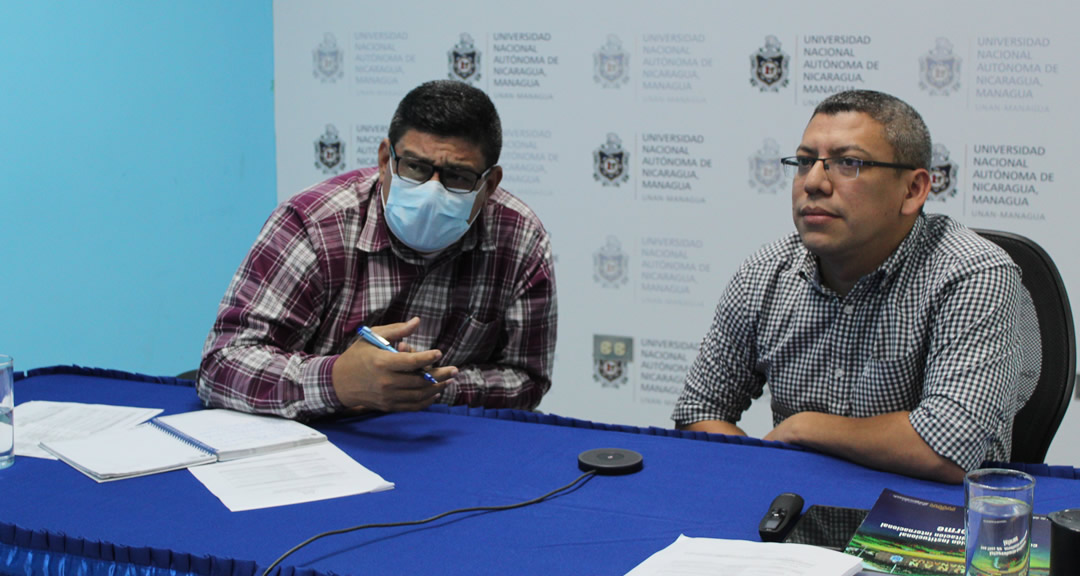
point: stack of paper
(710, 556)
(46, 421)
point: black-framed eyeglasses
(845, 167)
(456, 180)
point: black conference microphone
(610, 461)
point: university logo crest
(464, 60)
(611, 358)
(611, 162)
(943, 173)
(327, 60)
(766, 173)
(769, 66)
(611, 64)
(610, 373)
(330, 151)
(610, 264)
(939, 70)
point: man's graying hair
(450, 109)
(905, 130)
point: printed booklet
(180, 441)
(906, 535)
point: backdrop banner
(646, 135)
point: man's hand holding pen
(371, 374)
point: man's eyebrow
(462, 167)
(841, 150)
(834, 152)
(405, 152)
(452, 166)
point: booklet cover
(907, 535)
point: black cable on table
(426, 520)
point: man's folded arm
(886, 442)
(518, 373)
(970, 391)
(721, 384)
(497, 386)
(714, 427)
(276, 296)
(968, 398)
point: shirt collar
(888, 269)
(809, 269)
(375, 236)
(483, 231)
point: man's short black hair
(905, 130)
(450, 109)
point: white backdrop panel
(646, 136)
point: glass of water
(7, 408)
(997, 521)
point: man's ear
(493, 180)
(490, 184)
(918, 187)
(384, 168)
(384, 155)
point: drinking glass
(7, 408)
(997, 521)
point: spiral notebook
(180, 441)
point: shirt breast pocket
(890, 384)
(476, 342)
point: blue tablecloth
(55, 520)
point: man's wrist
(329, 372)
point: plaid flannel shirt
(325, 263)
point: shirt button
(839, 373)
(849, 309)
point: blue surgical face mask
(426, 217)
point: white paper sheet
(40, 421)
(305, 474)
(709, 556)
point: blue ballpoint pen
(380, 342)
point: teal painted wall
(136, 168)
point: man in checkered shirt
(896, 339)
(425, 249)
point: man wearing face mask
(426, 250)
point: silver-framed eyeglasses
(455, 180)
(844, 167)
